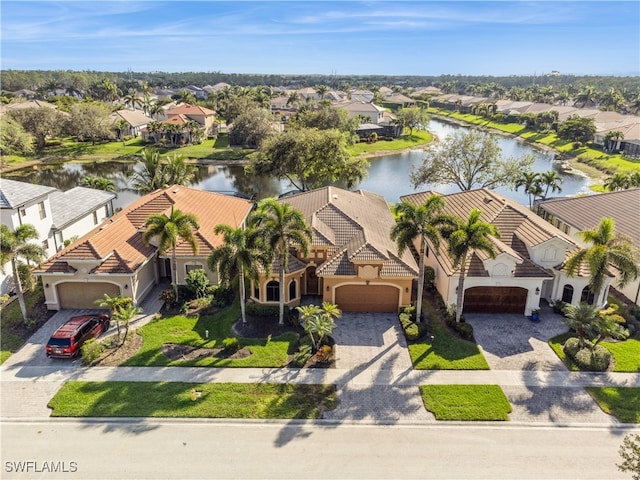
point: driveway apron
(372, 350)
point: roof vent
(335, 196)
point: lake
(388, 175)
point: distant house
(114, 259)
(203, 116)
(573, 215)
(135, 119)
(352, 262)
(57, 216)
(529, 262)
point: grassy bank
(192, 400)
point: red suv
(68, 338)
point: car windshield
(59, 342)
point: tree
(318, 322)
(16, 246)
(122, 310)
(531, 183)
(252, 128)
(281, 228)
(90, 121)
(309, 158)
(14, 140)
(464, 237)
(167, 230)
(151, 175)
(123, 316)
(577, 129)
(469, 160)
(240, 254)
(611, 140)
(412, 117)
(618, 181)
(184, 96)
(105, 90)
(176, 171)
(99, 183)
(630, 453)
(588, 324)
(606, 248)
(41, 122)
(550, 180)
(326, 118)
(586, 96)
(421, 222)
(132, 99)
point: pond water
(388, 175)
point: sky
(324, 37)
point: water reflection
(388, 175)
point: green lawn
(418, 138)
(265, 352)
(466, 402)
(621, 402)
(192, 400)
(626, 354)
(446, 351)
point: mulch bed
(176, 352)
(262, 327)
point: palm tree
(123, 316)
(421, 222)
(132, 99)
(152, 176)
(619, 181)
(586, 96)
(531, 183)
(16, 246)
(282, 228)
(176, 171)
(551, 180)
(116, 304)
(99, 183)
(611, 140)
(167, 231)
(607, 248)
(319, 322)
(463, 237)
(240, 253)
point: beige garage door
(367, 298)
(84, 295)
(495, 299)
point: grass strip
(466, 402)
(621, 402)
(192, 400)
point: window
(292, 290)
(567, 294)
(273, 291)
(23, 212)
(45, 244)
(106, 210)
(426, 251)
(95, 218)
(43, 211)
(190, 268)
(587, 295)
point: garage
(368, 298)
(495, 300)
(84, 295)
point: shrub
(223, 296)
(324, 354)
(596, 359)
(4, 298)
(465, 330)
(231, 344)
(197, 282)
(168, 297)
(571, 347)
(90, 351)
(259, 310)
(302, 356)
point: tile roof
(135, 118)
(518, 227)
(14, 194)
(66, 207)
(358, 224)
(118, 244)
(586, 212)
(186, 109)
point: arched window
(567, 294)
(273, 291)
(292, 290)
(587, 295)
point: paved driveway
(513, 342)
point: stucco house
(114, 259)
(576, 214)
(57, 216)
(135, 121)
(203, 116)
(528, 265)
(352, 262)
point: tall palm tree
(282, 228)
(177, 171)
(132, 99)
(551, 180)
(531, 183)
(240, 253)
(618, 181)
(464, 237)
(151, 177)
(606, 248)
(418, 222)
(168, 231)
(16, 246)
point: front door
(312, 281)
